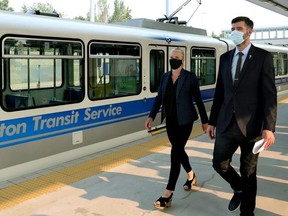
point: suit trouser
(178, 136)
(226, 144)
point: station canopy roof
(278, 6)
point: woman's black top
(170, 100)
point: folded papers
(259, 146)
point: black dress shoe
(235, 201)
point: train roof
(151, 24)
(139, 28)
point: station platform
(125, 181)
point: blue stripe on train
(27, 129)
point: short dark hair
(247, 21)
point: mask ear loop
(250, 31)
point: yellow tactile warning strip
(29, 189)
(283, 100)
(20, 192)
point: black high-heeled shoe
(163, 202)
(188, 184)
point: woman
(176, 91)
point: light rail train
(72, 88)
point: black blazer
(187, 89)
(254, 101)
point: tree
(4, 5)
(103, 11)
(80, 18)
(121, 13)
(222, 35)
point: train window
(157, 61)
(282, 64)
(203, 64)
(41, 72)
(275, 59)
(2, 74)
(115, 50)
(114, 70)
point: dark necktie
(238, 69)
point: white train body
(72, 88)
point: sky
(212, 15)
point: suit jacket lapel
(229, 68)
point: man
(243, 111)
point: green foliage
(4, 5)
(103, 11)
(80, 18)
(121, 13)
(43, 7)
(222, 35)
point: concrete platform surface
(130, 189)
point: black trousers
(226, 144)
(178, 137)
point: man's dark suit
(254, 100)
(240, 114)
(187, 89)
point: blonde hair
(177, 49)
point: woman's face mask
(175, 63)
(237, 37)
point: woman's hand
(148, 123)
(204, 127)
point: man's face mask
(175, 63)
(237, 37)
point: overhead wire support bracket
(174, 20)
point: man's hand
(268, 137)
(211, 131)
